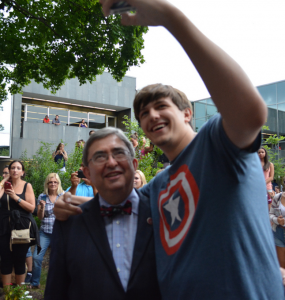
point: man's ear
(188, 113)
(86, 172)
(135, 163)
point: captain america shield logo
(177, 205)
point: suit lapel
(144, 233)
(96, 228)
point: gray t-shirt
(212, 233)
(54, 121)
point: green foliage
(51, 41)
(42, 163)
(16, 292)
(271, 144)
(5, 151)
(73, 164)
(148, 164)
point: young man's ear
(188, 114)
(86, 172)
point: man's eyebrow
(112, 150)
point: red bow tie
(112, 211)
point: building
(101, 103)
(273, 95)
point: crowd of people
(56, 121)
(20, 191)
(200, 229)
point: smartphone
(44, 197)
(120, 8)
(80, 174)
(7, 185)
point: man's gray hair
(101, 134)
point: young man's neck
(172, 151)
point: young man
(211, 243)
(107, 252)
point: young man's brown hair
(154, 92)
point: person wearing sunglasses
(46, 200)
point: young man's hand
(148, 12)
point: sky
(5, 116)
(252, 32)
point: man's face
(5, 172)
(112, 178)
(163, 123)
(56, 117)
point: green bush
(148, 164)
(42, 163)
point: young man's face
(163, 123)
(111, 177)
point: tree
(42, 163)
(51, 41)
(271, 145)
(148, 164)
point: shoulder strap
(8, 202)
(25, 187)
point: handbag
(20, 236)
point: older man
(107, 252)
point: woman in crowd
(17, 202)
(139, 179)
(5, 172)
(277, 215)
(268, 170)
(46, 200)
(60, 155)
(83, 124)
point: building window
(76, 117)
(36, 113)
(97, 121)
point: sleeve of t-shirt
(218, 134)
(67, 189)
(53, 121)
(232, 160)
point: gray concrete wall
(105, 92)
(35, 133)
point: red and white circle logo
(177, 205)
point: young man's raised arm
(242, 108)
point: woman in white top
(277, 218)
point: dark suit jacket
(81, 262)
